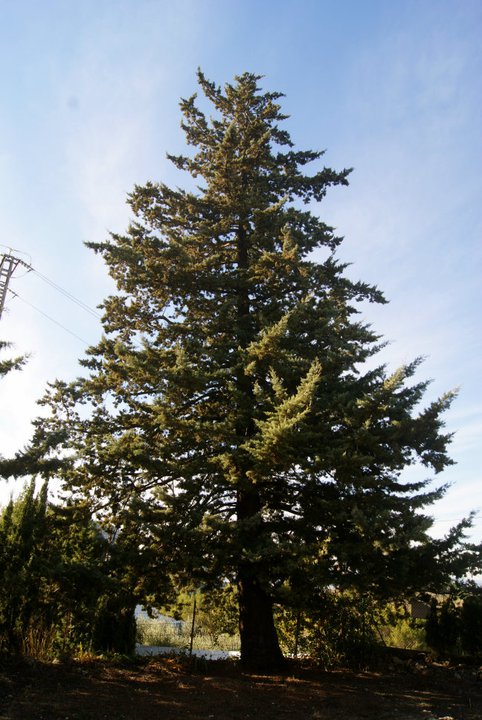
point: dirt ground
(171, 689)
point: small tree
(217, 614)
(64, 578)
(229, 394)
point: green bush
(62, 582)
(404, 632)
(471, 625)
(455, 624)
(340, 630)
(165, 634)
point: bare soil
(173, 689)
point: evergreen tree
(65, 581)
(229, 394)
(25, 567)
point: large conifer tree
(228, 395)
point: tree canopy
(229, 404)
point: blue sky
(89, 106)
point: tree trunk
(260, 650)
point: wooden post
(297, 632)
(193, 625)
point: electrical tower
(8, 265)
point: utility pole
(8, 265)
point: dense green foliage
(343, 628)
(455, 624)
(216, 611)
(62, 582)
(229, 407)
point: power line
(9, 263)
(49, 317)
(67, 294)
(11, 250)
